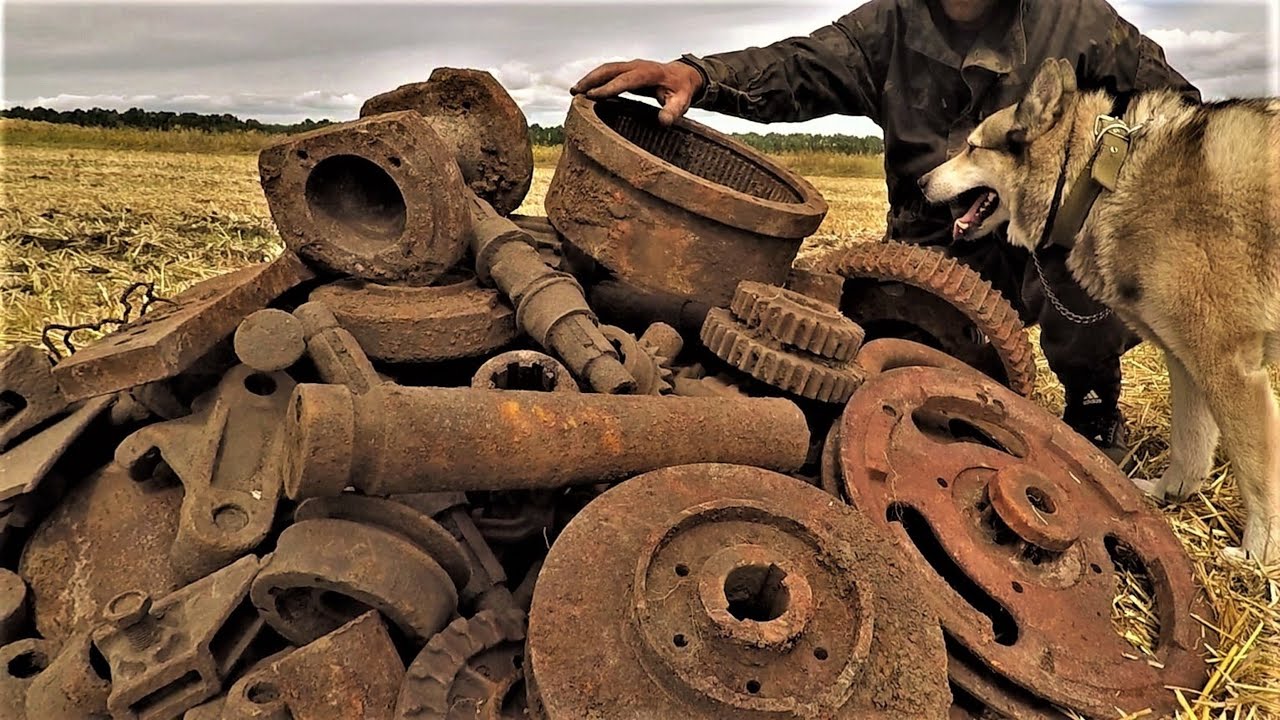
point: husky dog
(1182, 242)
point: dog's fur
(1186, 251)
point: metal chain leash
(1062, 309)
(149, 298)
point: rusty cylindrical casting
(683, 210)
(378, 198)
(727, 591)
(524, 370)
(407, 440)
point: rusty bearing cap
(476, 117)
(397, 324)
(729, 591)
(524, 370)
(1021, 527)
(378, 199)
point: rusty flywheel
(919, 294)
(729, 591)
(1022, 528)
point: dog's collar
(1111, 138)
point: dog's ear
(1045, 103)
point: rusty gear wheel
(472, 669)
(915, 293)
(730, 591)
(1022, 529)
(652, 378)
(797, 321)
(766, 360)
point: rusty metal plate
(728, 591)
(400, 324)
(683, 210)
(226, 455)
(352, 672)
(480, 122)
(24, 466)
(104, 538)
(13, 606)
(29, 394)
(1019, 525)
(173, 337)
(378, 198)
(471, 670)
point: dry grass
(77, 226)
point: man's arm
(1126, 62)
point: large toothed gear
(766, 360)
(471, 669)
(917, 293)
(797, 321)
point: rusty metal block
(728, 591)
(73, 686)
(29, 394)
(13, 606)
(399, 324)
(225, 454)
(404, 440)
(270, 340)
(104, 538)
(337, 355)
(683, 210)
(378, 198)
(471, 669)
(21, 663)
(352, 672)
(524, 370)
(326, 571)
(170, 339)
(1021, 527)
(170, 657)
(473, 115)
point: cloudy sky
(283, 61)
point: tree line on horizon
(538, 135)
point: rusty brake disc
(1021, 526)
(724, 590)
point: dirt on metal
(270, 340)
(719, 591)
(1020, 527)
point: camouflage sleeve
(1128, 62)
(836, 69)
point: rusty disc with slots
(1022, 528)
(728, 591)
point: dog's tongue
(965, 222)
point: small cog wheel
(797, 321)
(472, 669)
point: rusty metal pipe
(410, 440)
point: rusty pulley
(1022, 528)
(729, 591)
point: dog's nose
(923, 181)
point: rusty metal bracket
(1020, 527)
(73, 686)
(226, 454)
(29, 394)
(337, 355)
(21, 663)
(24, 467)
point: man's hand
(674, 84)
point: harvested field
(78, 225)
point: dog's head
(991, 176)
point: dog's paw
(1175, 486)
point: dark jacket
(895, 62)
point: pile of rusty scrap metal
(629, 460)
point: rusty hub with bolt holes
(723, 590)
(1021, 528)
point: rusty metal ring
(524, 370)
(885, 354)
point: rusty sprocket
(471, 670)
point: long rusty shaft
(397, 439)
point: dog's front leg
(1193, 436)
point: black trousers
(1085, 357)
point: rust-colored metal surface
(337, 355)
(545, 238)
(628, 306)
(21, 663)
(169, 657)
(643, 363)
(727, 591)
(821, 286)
(550, 306)
(797, 321)
(29, 395)
(476, 118)
(683, 210)
(405, 440)
(378, 198)
(24, 466)
(226, 455)
(325, 572)
(472, 670)
(401, 324)
(104, 538)
(885, 354)
(14, 606)
(1020, 526)
(919, 294)
(174, 336)
(517, 517)
(524, 370)
(72, 687)
(270, 340)
(352, 672)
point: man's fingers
(674, 106)
(636, 79)
(600, 76)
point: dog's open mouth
(983, 204)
